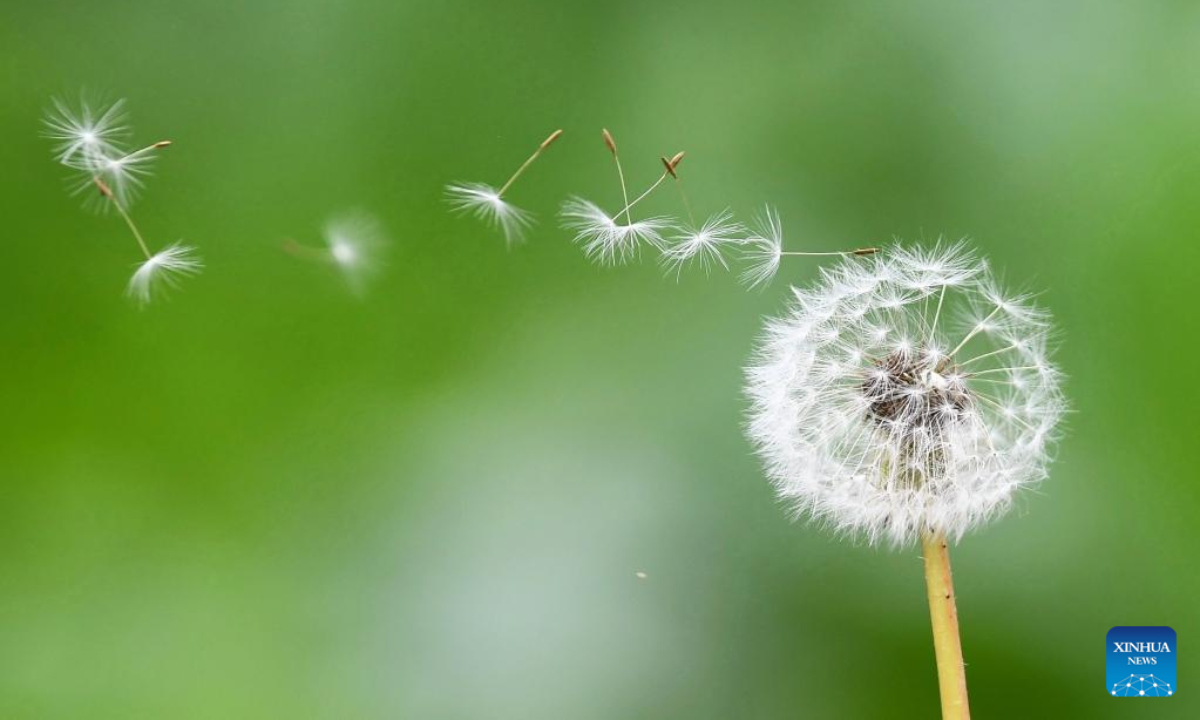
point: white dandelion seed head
(905, 393)
(764, 250)
(484, 202)
(162, 272)
(356, 244)
(85, 131)
(705, 245)
(607, 240)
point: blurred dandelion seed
(163, 270)
(488, 204)
(355, 244)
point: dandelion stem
(979, 326)
(687, 206)
(133, 228)
(307, 252)
(137, 235)
(861, 251)
(541, 148)
(146, 150)
(612, 147)
(624, 192)
(943, 613)
(642, 197)
(936, 316)
(1001, 369)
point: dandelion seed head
(485, 202)
(883, 405)
(163, 271)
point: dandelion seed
(705, 245)
(124, 174)
(83, 133)
(488, 204)
(356, 243)
(163, 271)
(606, 241)
(604, 238)
(877, 412)
(484, 202)
(764, 252)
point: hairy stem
(939, 586)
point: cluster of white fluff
(614, 239)
(90, 140)
(904, 393)
(356, 244)
(487, 204)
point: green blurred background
(267, 499)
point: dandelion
(88, 141)
(605, 238)
(355, 244)
(488, 204)
(907, 397)
(705, 245)
(764, 251)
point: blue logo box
(1141, 662)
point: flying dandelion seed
(89, 142)
(488, 204)
(82, 133)
(604, 238)
(705, 245)
(123, 174)
(162, 271)
(764, 251)
(606, 241)
(356, 244)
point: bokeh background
(265, 498)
